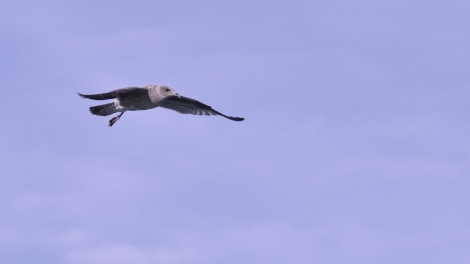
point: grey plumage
(103, 110)
(148, 97)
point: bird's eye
(167, 89)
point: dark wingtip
(235, 118)
(81, 95)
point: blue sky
(354, 149)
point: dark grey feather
(185, 105)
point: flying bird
(148, 97)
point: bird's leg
(114, 119)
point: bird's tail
(103, 110)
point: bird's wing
(115, 93)
(102, 96)
(187, 105)
(132, 92)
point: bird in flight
(148, 97)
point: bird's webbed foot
(115, 119)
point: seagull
(148, 97)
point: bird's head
(168, 91)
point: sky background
(355, 147)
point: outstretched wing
(185, 105)
(123, 92)
(102, 96)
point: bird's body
(148, 97)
